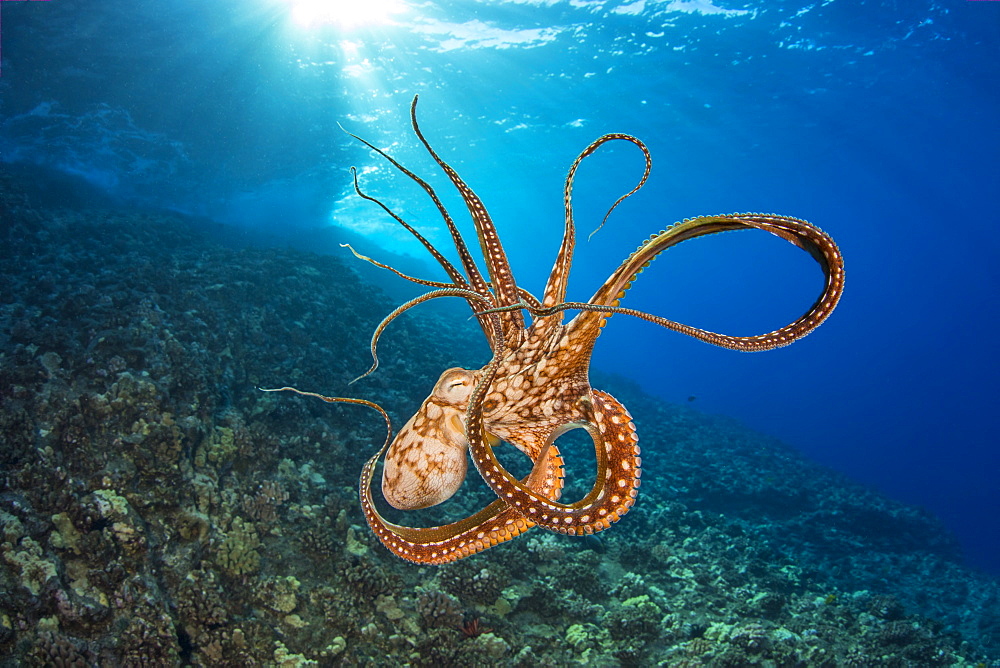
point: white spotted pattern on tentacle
(491, 526)
(502, 279)
(615, 488)
(495, 524)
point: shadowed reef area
(156, 510)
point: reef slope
(157, 510)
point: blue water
(876, 121)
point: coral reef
(157, 510)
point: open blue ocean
(176, 188)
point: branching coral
(237, 554)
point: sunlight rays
(344, 13)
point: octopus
(536, 385)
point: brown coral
(262, 506)
(439, 610)
(60, 651)
(472, 583)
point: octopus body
(536, 385)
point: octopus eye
(455, 385)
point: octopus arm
(810, 238)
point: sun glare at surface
(344, 13)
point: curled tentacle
(797, 232)
(645, 175)
(492, 525)
(468, 295)
(615, 486)
(555, 288)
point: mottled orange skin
(536, 385)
